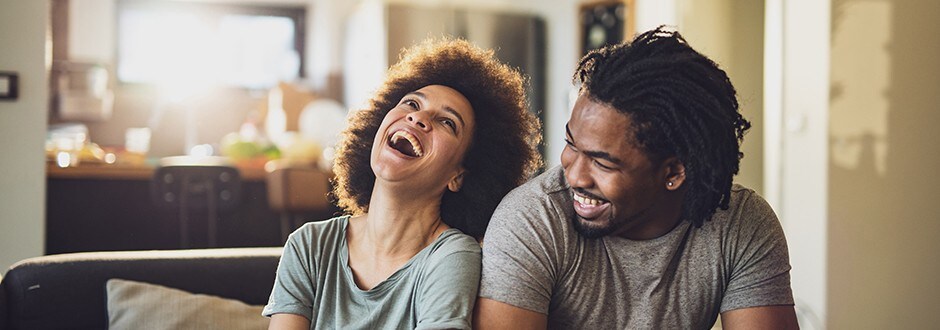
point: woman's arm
(294, 288)
(449, 291)
(288, 321)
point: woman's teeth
(587, 201)
(398, 135)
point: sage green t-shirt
(435, 289)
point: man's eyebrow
(593, 153)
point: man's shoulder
(746, 203)
(548, 184)
(748, 213)
(542, 205)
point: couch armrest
(3, 305)
(68, 290)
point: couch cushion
(138, 305)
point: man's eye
(570, 145)
(602, 166)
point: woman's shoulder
(320, 231)
(452, 250)
(454, 241)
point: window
(198, 44)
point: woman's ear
(674, 173)
(457, 182)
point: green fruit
(234, 147)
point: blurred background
(97, 95)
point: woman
(420, 172)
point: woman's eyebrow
(456, 114)
(418, 94)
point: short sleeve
(759, 262)
(518, 267)
(293, 286)
(449, 290)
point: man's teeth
(587, 201)
(407, 136)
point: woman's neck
(399, 224)
(394, 230)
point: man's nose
(577, 173)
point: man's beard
(589, 231)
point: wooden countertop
(128, 172)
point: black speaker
(208, 189)
(604, 23)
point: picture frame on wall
(605, 22)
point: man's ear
(674, 172)
(457, 182)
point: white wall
(22, 131)
(561, 58)
(798, 99)
(883, 250)
(92, 30)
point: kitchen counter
(128, 172)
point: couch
(68, 290)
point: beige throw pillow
(138, 305)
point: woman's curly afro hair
(502, 152)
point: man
(640, 227)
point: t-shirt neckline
(389, 282)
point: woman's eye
(410, 103)
(450, 123)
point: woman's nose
(419, 119)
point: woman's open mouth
(406, 143)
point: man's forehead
(600, 116)
(600, 127)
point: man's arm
(522, 258)
(764, 317)
(759, 294)
(491, 314)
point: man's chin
(591, 228)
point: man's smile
(587, 206)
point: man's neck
(659, 220)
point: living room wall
(731, 33)
(884, 215)
(22, 131)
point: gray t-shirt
(534, 259)
(435, 289)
